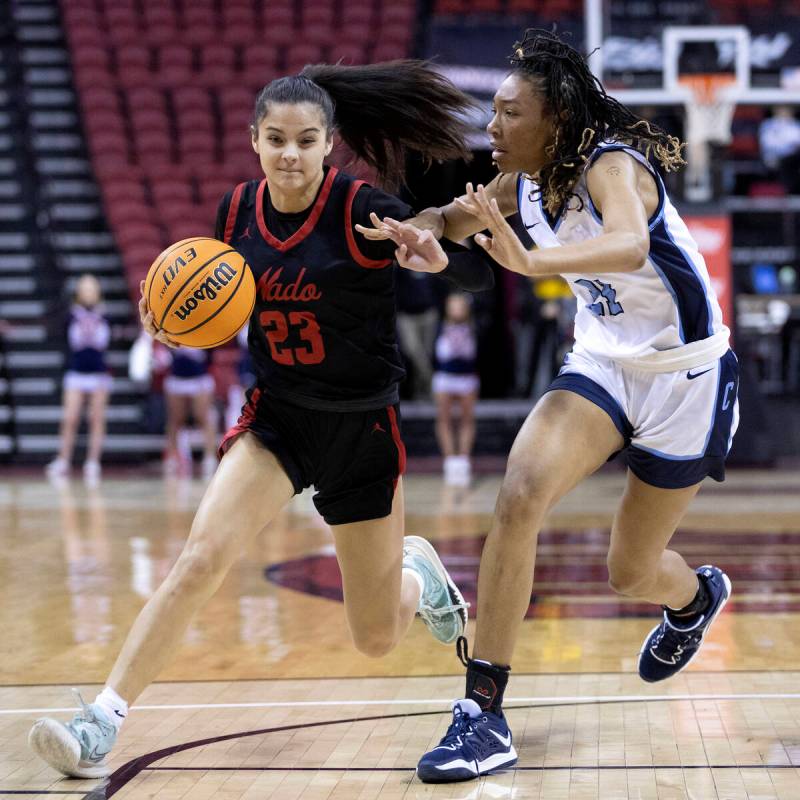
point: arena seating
(167, 91)
(554, 10)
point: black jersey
(322, 334)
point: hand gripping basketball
(199, 293)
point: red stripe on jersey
(398, 443)
(306, 227)
(352, 246)
(233, 210)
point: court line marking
(128, 771)
(539, 701)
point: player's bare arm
(453, 221)
(614, 186)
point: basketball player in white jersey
(651, 371)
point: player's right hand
(148, 322)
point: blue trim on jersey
(595, 393)
(678, 273)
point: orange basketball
(201, 292)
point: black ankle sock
(701, 601)
(486, 682)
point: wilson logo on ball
(207, 290)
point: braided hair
(585, 115)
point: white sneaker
(91, 471)
(58, 468)
(460, 472)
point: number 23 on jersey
(277, 327)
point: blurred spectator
(86, 379)
(455, 386)
(417, 318)
(779, 140)
(246, 377)
(539, 334)
(189, 387)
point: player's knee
(630, 580)
(524, 496)
(373, 642)
(199, 569)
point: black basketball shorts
(352, 458)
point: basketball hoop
(709, 109)
(709, 113)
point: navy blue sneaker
(670, 646)
(476, 743)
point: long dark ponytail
(382, 111)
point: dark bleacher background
(122, 122)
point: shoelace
(87, 714)
(428, 613)
(671, 638)
(460, 726)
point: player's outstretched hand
(417, 250)
(148, 322)
(503, 245)
(378, 232)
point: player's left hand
(503, 245)
(417, 250)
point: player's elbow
(637, 248)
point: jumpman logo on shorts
(246, 233)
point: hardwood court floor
(270, 652)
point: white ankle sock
(417, 577)
(115, 707)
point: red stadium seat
(99, 97)
(356, 13)
(146, 97)
(174, 65)
(153, 145)
(92, 77)
(171, 192)
(217, 67)
(360, 33)
(91, 56)
(300, 54)
(320, 34)
(148, 115)
(232, 98)
(348, 53)
(109, 143)
(389, 52)
(124, 189)
(318, 14)
(213, 190)
(133, 76)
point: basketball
(201, 292)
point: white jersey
(663, 316)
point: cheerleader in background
(87, 379)
(456, 384)
(189, 386)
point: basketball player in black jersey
(324, 409)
